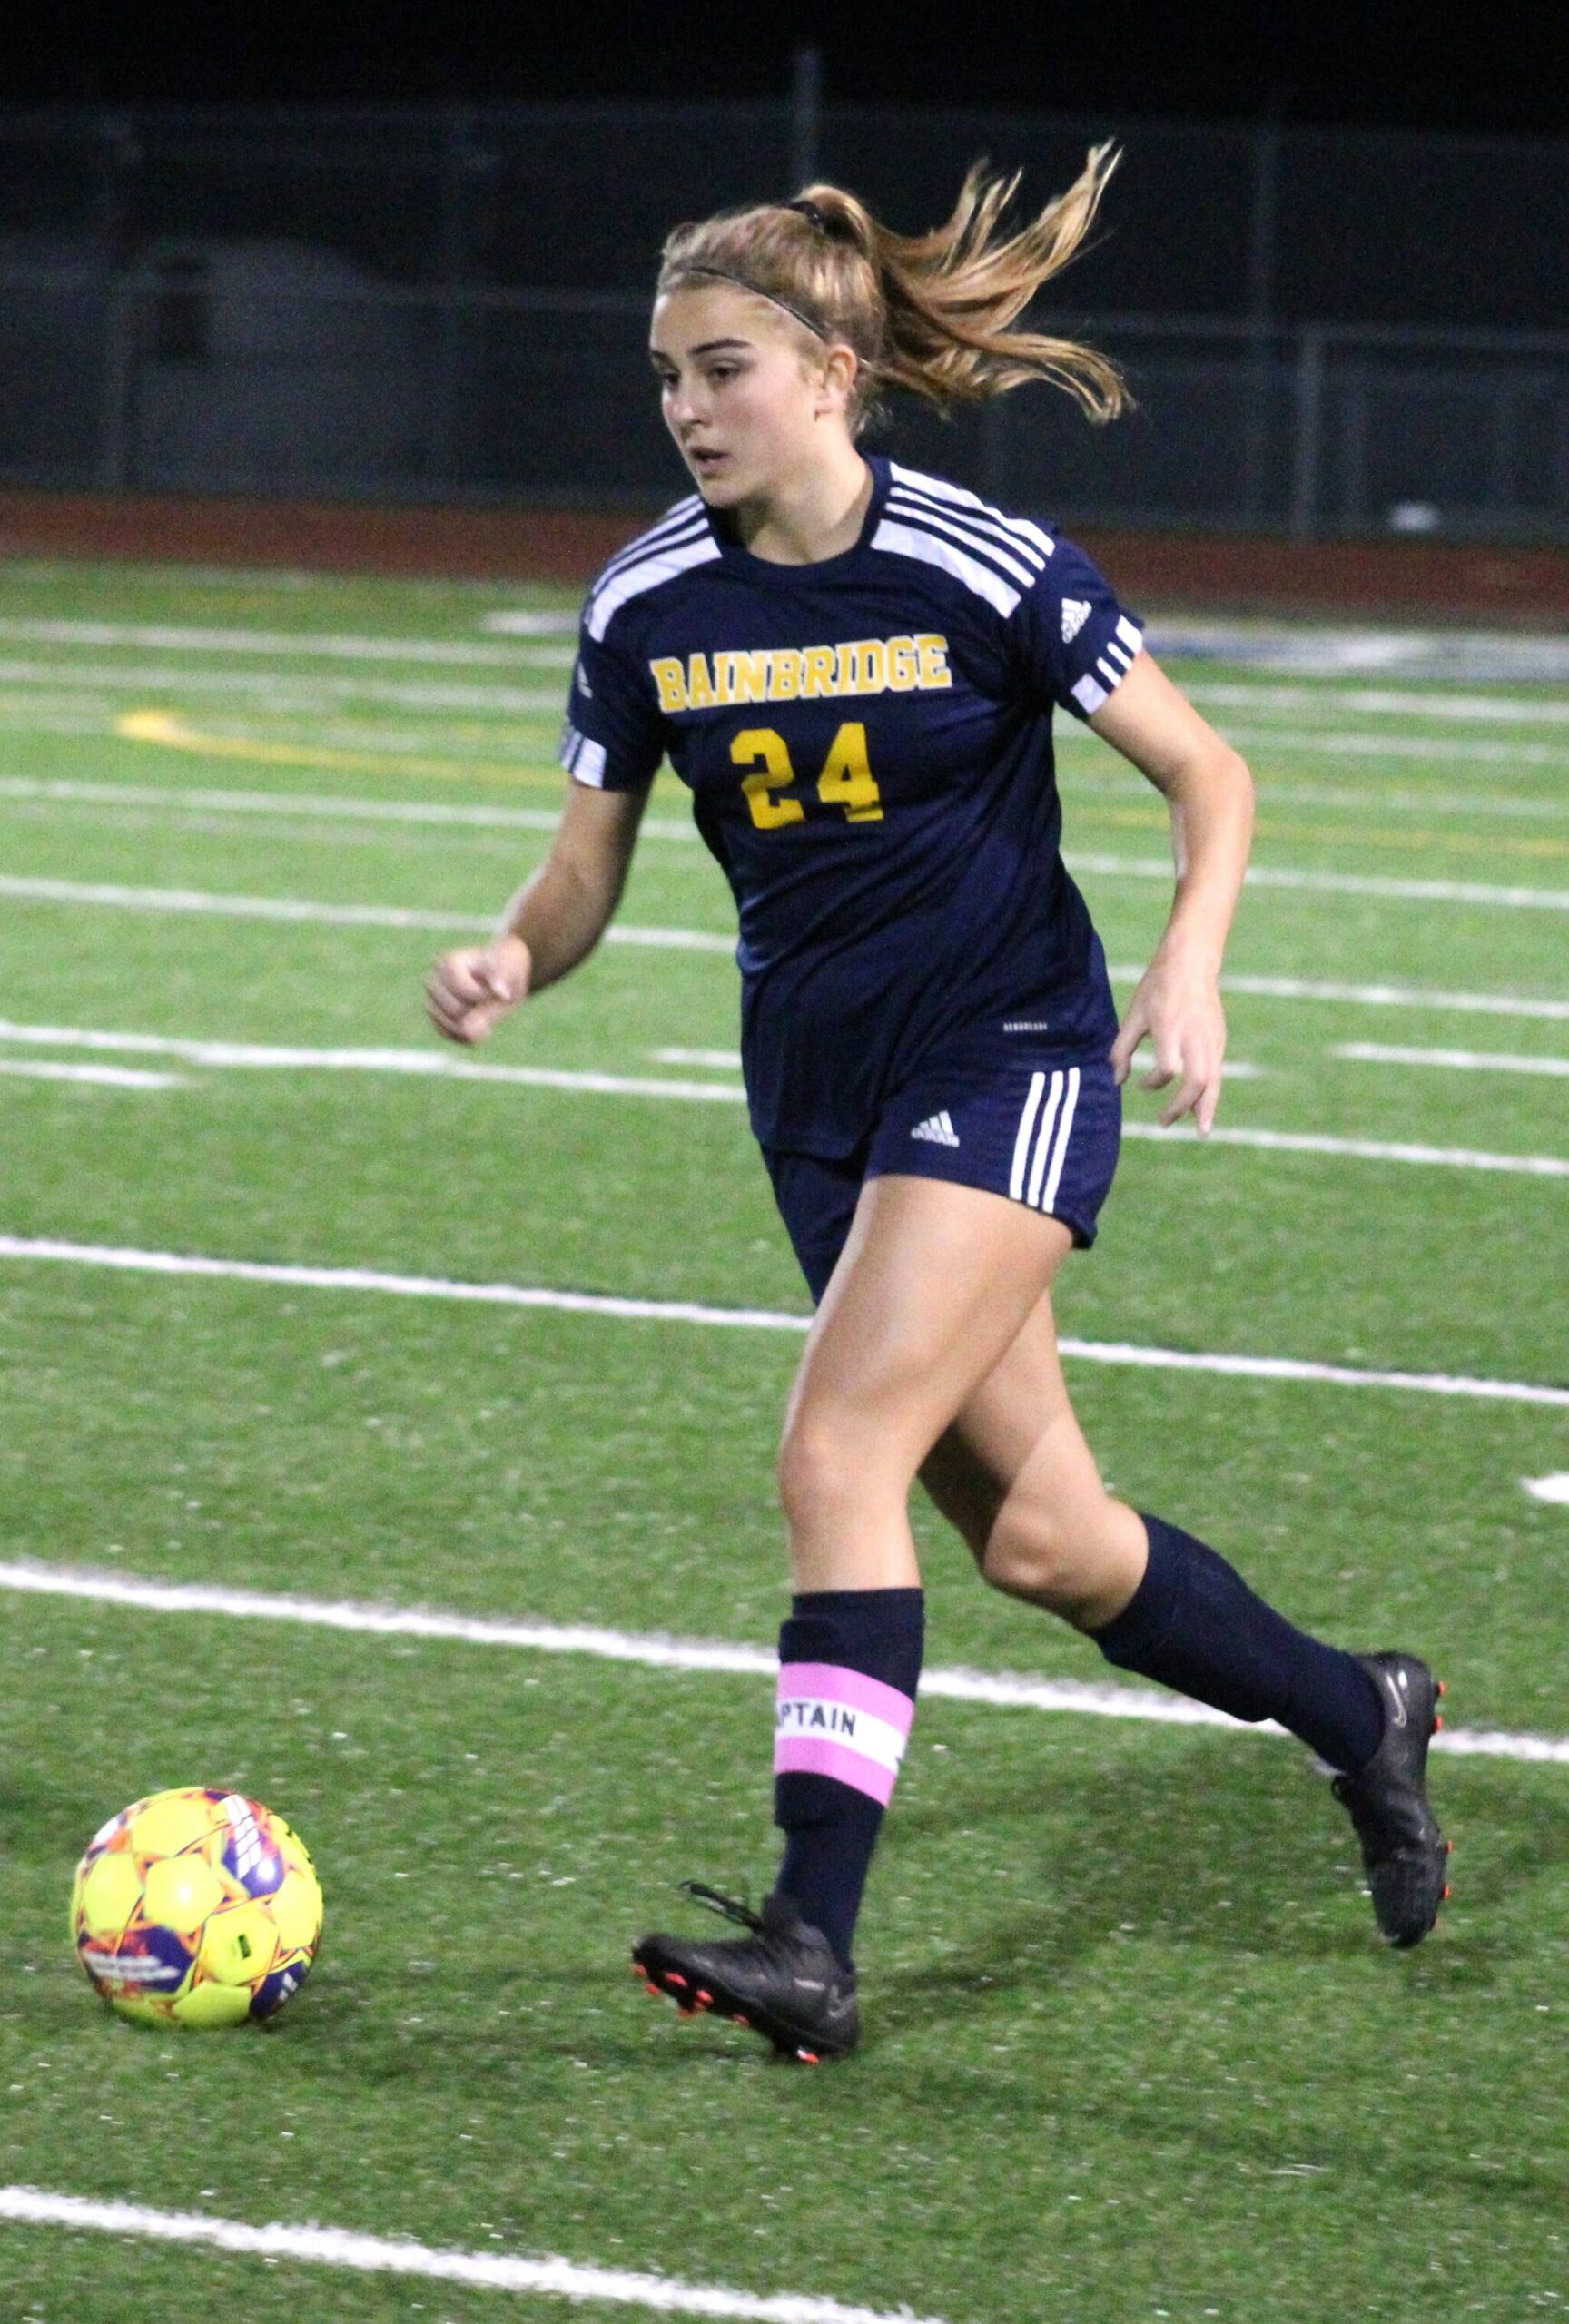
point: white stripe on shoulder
(1130, 634)
(930, 549)
(978, 524)
(939, 488)
(995, 547)
(584, 760)
(1088, 696)
(691, 528)
(649, 573)
(674, 521)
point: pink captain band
(831, 1682)
(813, 1755)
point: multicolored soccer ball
(196, 1908)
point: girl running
(854, 667)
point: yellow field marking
(1155, 819)
(169, 730)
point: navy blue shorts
(1045, 1134)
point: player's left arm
(1209, 792)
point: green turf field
(1134, 2050)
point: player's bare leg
(1015, 1477)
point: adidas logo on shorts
(1075, 613)
(937, 1130)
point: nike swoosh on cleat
(1396, 1699)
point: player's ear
(837, 379)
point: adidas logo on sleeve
(937, 1130)
(1075, 613)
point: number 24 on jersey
(846, 779)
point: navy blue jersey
(868, 743)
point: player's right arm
(552, 922)
(612, 744)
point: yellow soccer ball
(196, 1908)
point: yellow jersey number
(846, 779)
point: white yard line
(1442, 749)
(1003, 1691)
(1555, 1068)
(1383, 996)
(108, 895)
(298, 691)
(1355, 1150)
(1339, 883)
(435, 1064)
(51, 1249)
(380, 2255)
(276, 644)
(1381, 701)
(128, 899)
(312, 807)
(108, 1076)
(430, 1064)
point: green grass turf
(1133, 2050)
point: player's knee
(1059, 1565)
(826, 1466)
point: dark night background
(1497, 66)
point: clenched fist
(468, 991)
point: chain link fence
(442, 306)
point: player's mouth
(704, 461)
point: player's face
(744, 402)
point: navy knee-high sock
(849, 1663)
(1194, 1624)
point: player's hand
(468, 991)
(1177, 1007)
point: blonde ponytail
(933, 314)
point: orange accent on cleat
(808, 2058)
(705, 1998)
(1448, 1892)
(1438, 1724)
(1448, 1847)
(1443, 1689)
(673, 1977)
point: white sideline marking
(1382, 701)
(1452, 1060)
(276, 643)
(314, 806)
(436, 1064)
(338, 2247)
(1341, 883)
(756, 1319)
(657, 1652)
(1383, 996)
(1553, 1489)
(1357, 1149)
(721, 1060)
(303, 691)
(108, 1076)
(295, 908)
(1345, 884)
(432, 1063)
(1426, 748)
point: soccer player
(854, 667)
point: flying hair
(931, 315)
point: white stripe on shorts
(1043, 1141)
(1065, 1131)
(1021, 1143)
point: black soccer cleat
(782, 1980)
(1403, 1852)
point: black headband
(722, 274)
